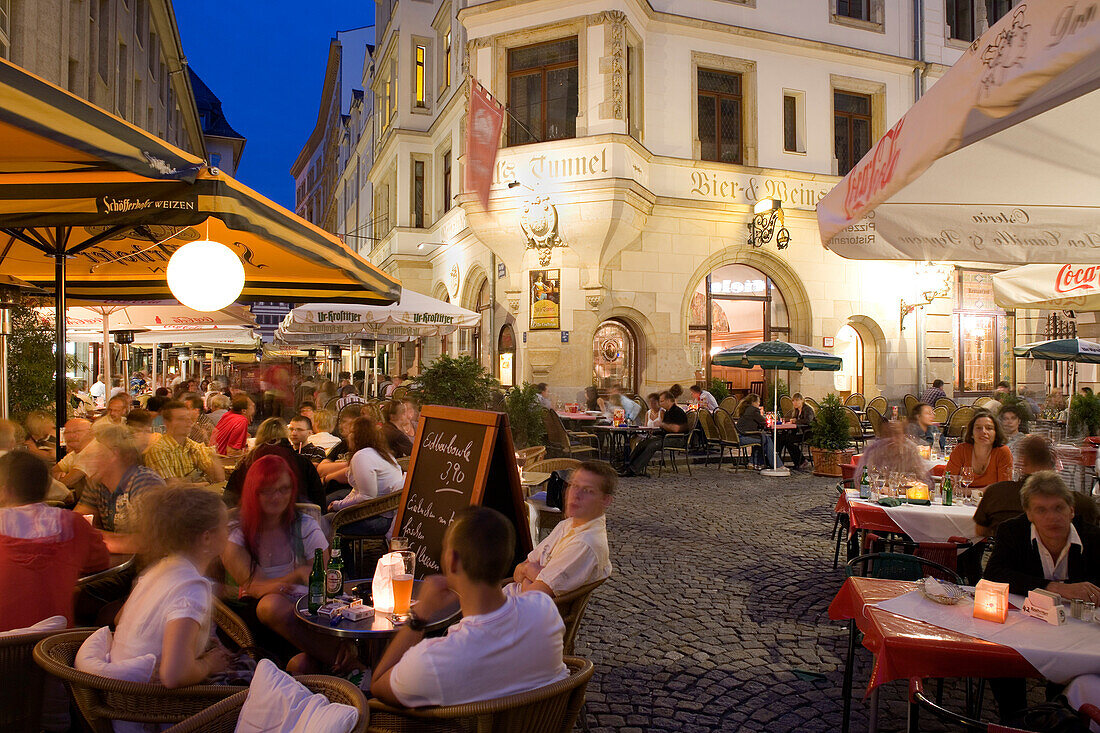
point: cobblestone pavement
(716, 611)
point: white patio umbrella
(153, 315)
(1048, 287)
(414, 316)
(997, 162)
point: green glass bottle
(948, 490)
(864, 485)
(334, 577)
(316, 582)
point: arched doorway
(506, 356)
(734, 304)
(615, 356)
(482, 306)
(848, 345)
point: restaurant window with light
(420, 60)
(734, 304)
(983, 335)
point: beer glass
(403, 584)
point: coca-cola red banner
(484, 120)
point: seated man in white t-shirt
(504, 645)
(575, 553)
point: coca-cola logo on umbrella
(1070, 280)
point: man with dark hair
(504, 645)
(203, 428)
(298, 431)
(673, 421)
(230, 436)
(345, 387)
(933, 393)
(176, 457)
(576, 552)
(703, 398)
(1001, 500)
(542, 394)
(334, 468)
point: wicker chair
(373, 411)
(880, 404)
(958, 419)
(222, 717)
(856, 400)
(361, 552)
(549, 465)
(940, 413)
(855, 426)
(673, 443)
(875, 418)
(549, 709)
(711, 438)
(21, 693)
(560, 441)
(730, 440)
(533, 454)
(403, 462)
(399, 393)
(571, 607)
(981, 402)
(102, 699)
(947, 402)
(786, 405)
(910, 401)
(812, 403)
(729, 404)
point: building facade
(122, 55)
(639, 137)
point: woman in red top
(43, 549)
(983, 449)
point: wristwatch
(415, 623)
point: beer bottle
(864, 485)
(948, 490)
(316, 582)
(334, 577)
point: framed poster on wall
(545, 300)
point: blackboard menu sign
(460, 458)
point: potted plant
(830, 439)
(525, 415)
(460, 382)
(1084, 415)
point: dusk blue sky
(265, 59)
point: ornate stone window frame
(874, 89)
(876, 24)
(444, 25)
(429, 75)
(747, 69)
(430, 216)
(503, 42)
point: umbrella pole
(60, 396)
(108, 357)
(778, 470)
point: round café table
(372, 634)
(618, 440)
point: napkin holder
(1045, 606)
(389, 565)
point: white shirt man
(576, 553)
(99, 392)
(503, 645)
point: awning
(157, 316)
(1049, 287)
(998, 162)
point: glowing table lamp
(991, 601)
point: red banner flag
(483, 123)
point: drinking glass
(403, 584)
(966, 477)
(878, 485)
(398, 544)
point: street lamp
(765, 215)
(205, 275)
(931, 282)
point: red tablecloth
(870, 517)
(906, 648)
(578, 416)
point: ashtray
(947, 594)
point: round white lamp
(205, 275)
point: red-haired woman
(270, 552)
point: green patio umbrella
(779, 355)
(1075, 350)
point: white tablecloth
(933, 523)
(1060, 653)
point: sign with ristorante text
(460, 458)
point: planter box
(828, 462)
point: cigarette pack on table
(1045, 606)
(331, 608)
(358, 611)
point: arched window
(506, 356)
(734, 304)
(615, 357)
(481, 305)
(849, 347)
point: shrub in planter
(830, 440)
(525, 415)
(1084, 415)
(460, 382)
